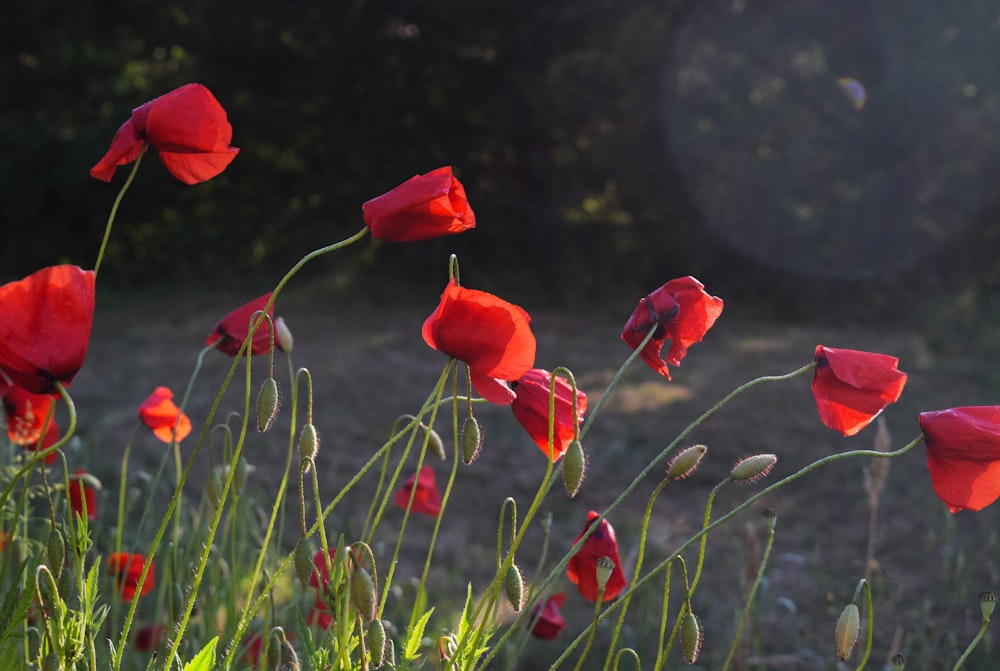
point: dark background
(607, 146)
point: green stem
(869, 626)
(753, 590)
(114, 208)
(973, 644)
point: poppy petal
(963, 455)
(125, 148)
(425, 206)
(229, 334)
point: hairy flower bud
(472, 440)
(692, 637)
(56, 551)
(363, 594)
(376, 639)
(848, 626)
(753, 468)
(308, 443)
(513, 587)
(574, 467)
(267, 404)
(685, 462)
(52, 662)
(434, 443)
(283, 336)
(303, 561)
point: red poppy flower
(51, 437)
(189, 128)
(683, 312)
(531, 408)
(127, 569)
(963, 455)
(493, 338)
(320, 615)
(26, 415)
(582, 567)
(851, 388)
(422, 207)
(550, 623)
(150, 637)
(80, 493)
(46, 325)
(427, 500)
(161, 414)
(232, 330)
(321, 572)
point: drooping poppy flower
(189, 128)
(422, 207)
(150, 637)
(427, 500)
(683, 313)
(531, 408)
(963, 455)
(46, 325)
(493, 338)
(851, 388)
(582, 567)
(127, 569)
(550, 623)
(229, 334)
(161, 414)
(26, 415)
(81, 492)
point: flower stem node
(376, 640)
(513, 587)
(987, 603)
(848, 626)
(692, 637)
(686, 462)
(472, 440)
(267, 404)
(574, 467)
(753, 468)
(308, 443)
(363, 594)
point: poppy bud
(691, 637)
(56, 551)
(898, 662)
(753, 468)
(685, 462)
(66, 584)
(52, 662)
(390, 653)
(848, 625)
(434, 443)
(472, 440)
(303, 560)
(267, 404)
(605, 566)
(214, 486)
(283, 336)
(574, 467)
(513, 586)
(288, 659)
(363, 593)
(987, 602)
(240, 476)
(375, 637)
(308, 443)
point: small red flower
(150, 637)
(45, 328)
(683, 312)
(232, 330)
(851, 388)
(493, 338)
(161, 414)
(427, 500)
(26, 415)
(422, 207)
(189, 128)
(127, 569)
(582, 567)
(531, 408)
(550, 622)
(80, 493)
(963, 455)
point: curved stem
(753, 592)
(114, 208)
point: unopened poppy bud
(283, 336)
(363, 593)
(574, 467)
(240, 476)
(267, 404)
(66, 584)
(472, 440)
(214, 486)
(375, 637)
(987, 602)
(52, 662)
(685, 462)
(288, 659)
(390, 653)
(753, 468)
(513, 587)
(898, 662)
(604, 568)
(303, 560)
(848, 626)
(308, 443)
(434, 443)
(56, 551)
(692, 637)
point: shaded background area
(606, 146)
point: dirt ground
(369, 365)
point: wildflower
(161, 414)
(547, 618)
(493, 338)
(422, 207)
(81, 492)
(851, 388)
(427, 499)
(189, 128)
(683, 313)
(45, 330)
(127, 569)
(531, 408)
(26, 415)
(582, 566)
(963, 455)
(232, 330)
(50, 438)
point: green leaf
(204, 660)
(416, 636)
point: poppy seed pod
(987, 604)
(753, 468)
(685, 462)
(898, 662)
(848, 626)
(574, 467)
(604, 568)
(267, 404)
(692, 637)
(472, 440)
(513, 587)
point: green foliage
(204, 660)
